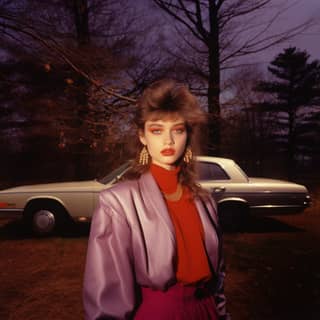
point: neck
(167, 180)
(168, 167)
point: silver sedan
(46, 208)
(238, 195)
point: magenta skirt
(179, 302)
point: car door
(213, 178)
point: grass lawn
(273, 271)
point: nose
(168, 139)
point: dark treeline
(70, 72)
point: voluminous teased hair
(168, 99)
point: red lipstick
(168, 152)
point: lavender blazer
(132, 244)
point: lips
(168, 152)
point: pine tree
(294, 95)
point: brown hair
(168, 99)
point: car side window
(211, 171)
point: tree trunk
(291, 144)
(81, 19)
(214, 123)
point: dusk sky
(298, 11)
(309, 40)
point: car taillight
(6, 205)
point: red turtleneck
(192, 263)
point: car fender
(45, 197)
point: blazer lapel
(154, 201)
(156, 205)
(210, 228)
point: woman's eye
(179, 130)
(155, 131)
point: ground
(273, 271)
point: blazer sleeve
(109, 286)
(219, 295)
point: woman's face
(165, 140)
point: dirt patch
(273, 271)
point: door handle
(218, 189)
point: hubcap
(43, 221)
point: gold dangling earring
(144, 156)
(188, 155)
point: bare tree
(59, 66)
(218, 33)
(57, 29)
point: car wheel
(233, 216)
(45, 219)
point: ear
(142, 138)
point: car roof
(215, 159)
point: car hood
(289, 186)
(89, 185)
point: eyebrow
(161, 125)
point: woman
(155, 246)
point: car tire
(233, 216)
(44, 219)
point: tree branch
(30, 32)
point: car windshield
(115, 174)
